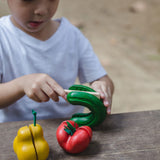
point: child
(39, 58)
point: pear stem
(34, 114)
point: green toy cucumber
(95, 105)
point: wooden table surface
(129, 136)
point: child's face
(32, 15)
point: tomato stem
(70, 129)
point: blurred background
(125, 35)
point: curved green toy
(98, 110)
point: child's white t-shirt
(64, 56)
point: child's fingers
(32, 96)
(41, 95)
(49, 92)
(105, 94)
(56, 88)
(107, 99)
(109, 110)
(98, 89)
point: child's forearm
(10, 92)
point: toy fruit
(73, 139)
(95, 105)
(29, 144)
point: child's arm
(39, 87)
(105, 87)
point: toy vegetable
(29, 144)
(73, 139)
(95, 105)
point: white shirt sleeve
(90, 68)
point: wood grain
(129, 136)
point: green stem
(69, 129)
(34, 114)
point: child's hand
(105, 87)
(41, 87)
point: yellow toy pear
(29, 144)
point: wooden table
(129, 136)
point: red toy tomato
(73, 139)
